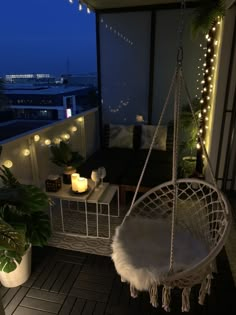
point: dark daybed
(123, 155)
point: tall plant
(22, 219)
(206, 14)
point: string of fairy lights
(82, 4)
(46, 142)
(206, 83)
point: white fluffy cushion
(147, 136)
(121, 136)
(141, 251)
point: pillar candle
(74, 181)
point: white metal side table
(101, 197)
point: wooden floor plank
(41, 305)
(99, 308)
(67, 305)
(88, 295)
(88, 308)
(28, 311)
(70, 279)
(52, 277)
(9, 296)
(46, 296)
(60, 280)
(11, 307)
(44, 274)
(78, 307)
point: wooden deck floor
(67, 282)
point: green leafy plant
(206, 14)
(22, 219)
(62, 155)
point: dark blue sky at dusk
(46, 36)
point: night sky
(46, 36)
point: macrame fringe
(133, 291)
(166, 298)
(205, 289)
(153, 293)
(185, 300)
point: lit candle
(74, 181)
(82, 184)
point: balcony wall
(35, 167)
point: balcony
(75, 275)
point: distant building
(30, 78)
(47, 102)
(89, 79)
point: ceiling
(115, 4)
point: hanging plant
(206, 14)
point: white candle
(74, 181)
(82, 184)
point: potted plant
(23, 224)
(62, 155)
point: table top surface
(92, 195)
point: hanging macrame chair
(172, 234)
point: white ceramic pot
(21, 274)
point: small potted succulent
(63, 156)
(23, 224)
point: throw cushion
(121, 136)
(147, 136)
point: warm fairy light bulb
(204, 110)
(209, 107)
(205, 89)
(36, 138)
(8, 164)
(213, 29)
(200, 45)
(213, 68)
(26, 152)
(73, 128)
(57, 140)
(211, 86)
(212, 60)
(209, 78)
(206, 118)
(80, 119)
(208, 39)
(202, 101)
(198, 146)
(209, 50)
(201, 131)
(47, 141)
(200, 115)
(66, 136)
(204, 142)
(207, 70)
(205, 55)
(208, 97)
(206, 127)
(216, 42)
(204, 64)
(202, 81)
(207, 35)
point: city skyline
(46, 36)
